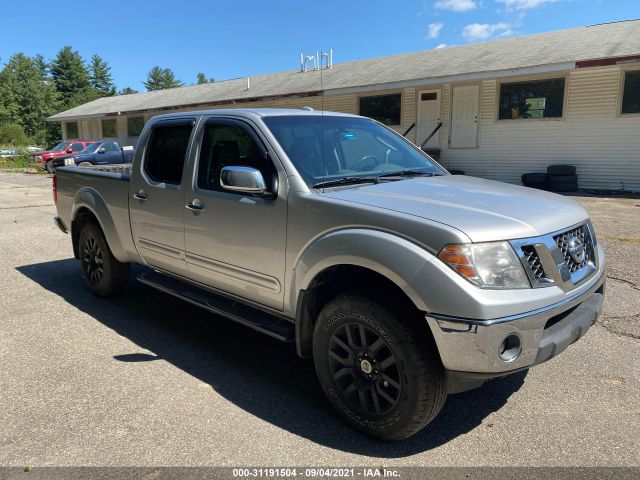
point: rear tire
(382, 375)
(85, 164)
(104, 274)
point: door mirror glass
(242, 179)
(102, 150)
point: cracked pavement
(147, 380)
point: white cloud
(475, 32)
(456, 5)
(442, 45)
(433, 30)
(524, 4)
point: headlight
(70, 161)
(487, 265)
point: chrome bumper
(474, 346)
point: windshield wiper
(345, 181)
(409, 173)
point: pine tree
(28, 98)
(161, 78)
(202, 78)
(70, 76)
(100, 76)
(127, 91)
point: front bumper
(470, 349)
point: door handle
(195, 205)
(140, 195)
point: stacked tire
(535, 180)
(562, 178)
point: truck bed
(104, 190)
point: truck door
(157, 205)
(235, 241)
(111, 153)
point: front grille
(563, 239)
(532, 258)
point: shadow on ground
(259, 374)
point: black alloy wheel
(365, 369)
(93, 260)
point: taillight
(55, 189)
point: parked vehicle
(8, 153)
(63, 148)
(404, 283)
(106, 152)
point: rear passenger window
(166, 152)
(229, 145)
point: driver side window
(226, 145)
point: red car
(63, 148)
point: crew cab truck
(404, 283)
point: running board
(251, 317)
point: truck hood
(484, 210)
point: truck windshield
(327, 148)
(60, 146)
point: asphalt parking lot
(147, 380)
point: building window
(631, 99)
(134, 126)
(383, 108)
(109, 128)
(535, 99)
(166, 152)
(72, 130)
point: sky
(231, 39)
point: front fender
(396, 258)
(91, 200)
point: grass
(21, 164)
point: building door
(464, 117)
(429, 107)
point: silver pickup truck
(404, 283)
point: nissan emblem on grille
(575, 246)
(576, 250)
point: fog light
(510, 348)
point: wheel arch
(366, 261)
(89, 206)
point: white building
(507, 107)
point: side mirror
(101, 150)
(243, 179)
(69, 150)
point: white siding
(603, 145)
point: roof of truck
(260, 112)
(553, 50)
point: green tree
(26, 99)
(43, 66)
(202, 78)
(13, 134)
(161, 78)
(70, 76)
(127, 91)
(100, 76)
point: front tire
(104, 274)
(381, 374)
